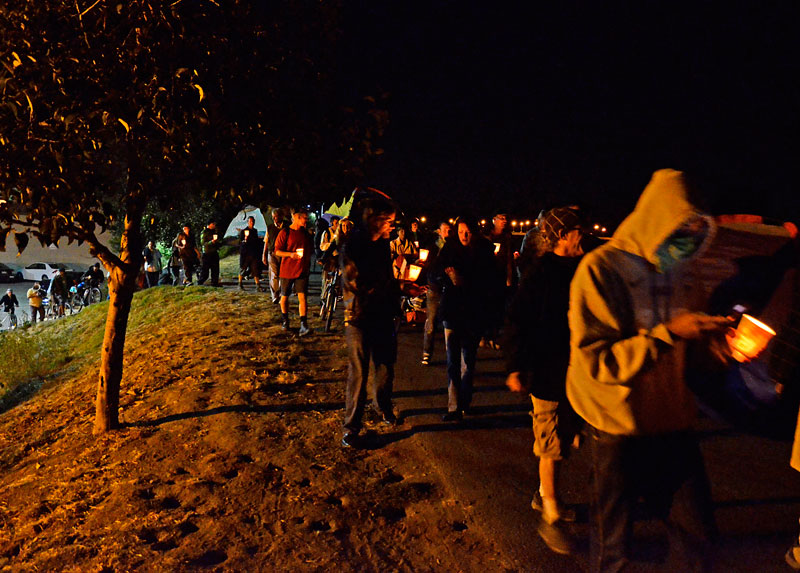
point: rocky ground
(229, 458)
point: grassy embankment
(229, 456)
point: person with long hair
(463, 270)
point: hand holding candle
(299, 253)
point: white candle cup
(750, 339)
(496, 248)
(214, 238)
(413, 272)
(423, 255)
(300, 252)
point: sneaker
(565, 514)
(304, 330)
(285, 325)
(350, 439)
(425, 361)
(556, 538)
(454, 416)
(390, 419)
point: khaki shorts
(554, 427)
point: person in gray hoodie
(634, 307)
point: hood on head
(661, 210)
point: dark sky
(523, 108)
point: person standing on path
(210, 243)
(434, 293)
(250, 253)
(188, 252)
(294, 245)
(464, 269)
(35, 301)
(269, 258)
(152, 264)
(371, 306)
(634, 306)
(537, 345)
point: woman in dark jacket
(463, 270)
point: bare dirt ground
(229, 459)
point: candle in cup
(214, 238)
(300, 252)
(423, 255)
(496, 248)
(750, 338)
(413, 272)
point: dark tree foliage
(117, 113)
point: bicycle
(51, 305)
(331, 294)
(83, 294)
(10, 321)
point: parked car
(45, 271)
(7, 274)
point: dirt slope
(229, 459)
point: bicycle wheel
(12, 320)
(76, 303)
(330, 305)
(93, 296)
(323, 300)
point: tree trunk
(121, 286)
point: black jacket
(537, 330)
(466, 305)
(370, 291)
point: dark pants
(210, 263)
(189, 268)
(274, 276)
(659, 470)
(37, 310)
(152, 278)
(432, 309)
(376, 343)
(462, 351)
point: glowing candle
(751, 337)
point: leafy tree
(110, 110)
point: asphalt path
(487, 460)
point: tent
(341, 209)
(239, 221)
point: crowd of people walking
(596, 332)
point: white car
(42, 271)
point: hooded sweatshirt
(626, 372)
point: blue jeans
(462, 350)
(431, 309)
(376, 343)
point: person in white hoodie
(634, 305)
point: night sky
(515, 108)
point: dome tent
(239, 221)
